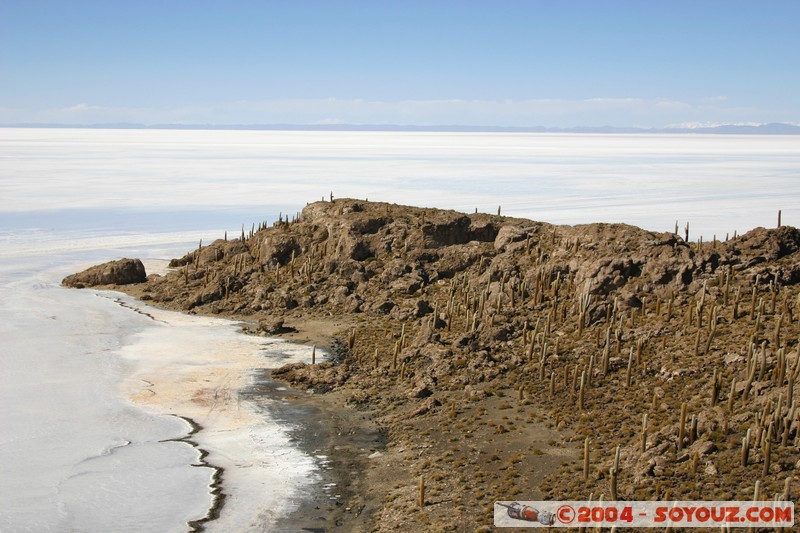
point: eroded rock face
(761, 245)
(122, 272)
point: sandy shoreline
(342, 441)
(224, 394)
(347, 444)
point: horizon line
(773, 128)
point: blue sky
(557, 63)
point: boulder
(271, 326)
(122, 272)
(507, 235)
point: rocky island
(507, 359)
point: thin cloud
(79, 108)
(554, 112)
(672, 104)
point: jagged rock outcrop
(354, 256)
(121, 272)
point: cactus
(787, 426)
(767, 452)
(533, 342)
(712, 328)
(715, 386)
(693, 429)
(639, 346)
(586, 459)
(776, 336)
(727, 286)
(682, 426)
(745, 454)
(574, 381)
(542, 362)
(584, 301)
(613, 471)
(628, 372)
(763, 370)
(750, 376)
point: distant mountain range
(720, 129)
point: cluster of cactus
(573, 342)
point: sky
(553, 63)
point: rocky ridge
(469, 335)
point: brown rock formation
(122, 272)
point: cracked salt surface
(92, 386)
